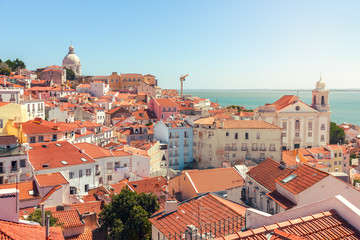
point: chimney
(47, 227)
(282, 165)
(42, 214)
(40, 96)
(170, 206)
(190, 232)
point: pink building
(164, 108)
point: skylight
(31, 192)
(289, 178)
(58, 144)
(64, 162)
(83, 159)
(31, 148)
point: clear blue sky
(220, 44)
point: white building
(98, 88)
(64, 157)
(303, 126)
(11, 94)
(72, 61)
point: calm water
(344, 104)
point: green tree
(5, 71)
(70, 75)
(14, 65)
(36, 217)
(126, 216)
(337, 134)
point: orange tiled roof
(39, 155)
(24, 189)
(68, 218)
(86, 235)
(212, 210)
(150, 185)
(165, 102)
(20, 231)
(267, 172)
(306, 176)
(51, 179)
(284, 101)
(93, 150)
(214, 180)
(87, 207)
(253, 124)
(280, 199)
(326, 225)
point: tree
(70, 75)
(337, 134)
(126, 216)
(4, 69)
(14, 65)
(36, 217)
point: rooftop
(51, 179)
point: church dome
(71, 58)
(320, 85)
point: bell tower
(320, 97)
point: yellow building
(114, 81)
(12, 111)
(129, 81)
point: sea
(344, 104)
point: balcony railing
(244, 149)
(230, 148)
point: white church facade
(303, 126)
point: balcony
(14, 169)
(2, 170)
(6, 152)
(254, 149)
(263, 149)
(244, 149)
(230, 148)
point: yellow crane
(182, 79)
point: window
(109, 165)
(236, 136)
(272, 147)
(309, 134)
(41, 138)
(1, 123)
(54, 137)
(13, 166)
(243, 147)
(109, 177)
(80, 173)
(335, 154)
(185, 134)
(322, 100)
(234, 155)
(22, 163)
(339, 154)
(335, 162)
(32, 140)
(247, 156)
(322, 126)
(297, 134)
(246, 135)
(262, 147)
(71, 175)
(86, 187)
(283, 134)
(73, 190)
(254, 147)
(227, 134)
(88, 172)
(257, 135)
(284, 125)
(309, 126)
(117, 165)
(322, 138)
(297, 125)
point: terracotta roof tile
(303, 177)
(93, 150)
(150, 185)
(165, 102)
(27, 190)
(281, 200)
(213, 211)
(214, 180)
(88, 207)
(267, 172)
(20, 231)
(51, 179)
(86, 235)
(326, 225)
(68, 218)
(39, 155)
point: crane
(182, 79)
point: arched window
(322, 100)
(297, 125)
(314, 100)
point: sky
(228, 44)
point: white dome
(320, 85)
(71, 58)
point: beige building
(303, 126)
(234, 141)
(129, 81)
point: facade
(164, 108)
(98, 88)
(178, 135)
(12, 111)
(14, 165)
(234, 141)
(11, 94)
(72, 61)
(303, 126)
(54, 74)
(136, 132)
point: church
(72, 61)
(303, 126)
